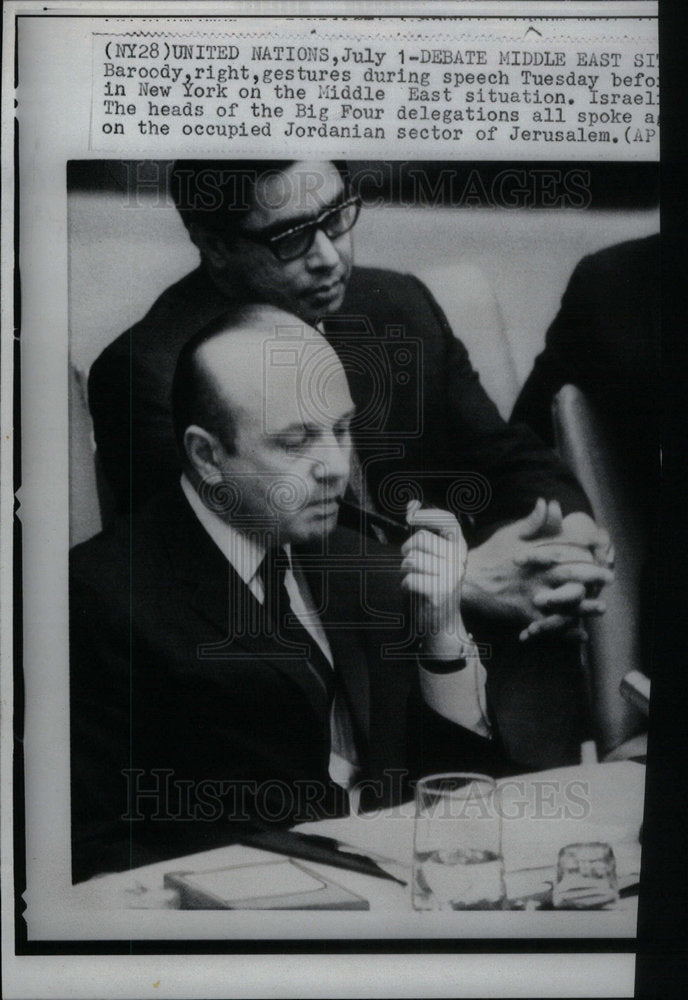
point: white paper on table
(256, 880)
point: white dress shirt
(458, 696)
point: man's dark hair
(218, 194)
(195, 399)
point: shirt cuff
(458, 696)
(442, 666)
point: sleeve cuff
(441, 666)
(455, 693)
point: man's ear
(213, 247)
(203, 451)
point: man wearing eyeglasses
(281, 232)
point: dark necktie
(285, 624)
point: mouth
(331, 290)
(325, 508)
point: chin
(314, 529)
(312, 311)
(337, 303)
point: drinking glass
(586, 877)
(457, 848)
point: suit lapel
(200, 566)
(218, 594)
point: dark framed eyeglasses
(297, 241)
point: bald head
(256, 362)
(259, 389)
(261, 362)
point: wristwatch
(436, 666)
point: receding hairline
(237, 347)
(256, 323)
(224, 350)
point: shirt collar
(244, 553)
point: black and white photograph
(339, 533)
(424, 451)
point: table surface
(542, 812)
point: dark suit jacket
(170, 696)
(606, 340)
(423, 412)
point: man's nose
(333, 461)
(324, 252)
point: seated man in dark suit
(605, 339)
(280, 232)
(233, 656)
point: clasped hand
(542, 572)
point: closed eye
(298, 437)
(295, 438)
(343, 426)
(342, 429)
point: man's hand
(541, 572)
(433, 568)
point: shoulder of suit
(124, 540)
(100, 565)
(378, 275)
(625, 258)
(177, 313)
(375, 284)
